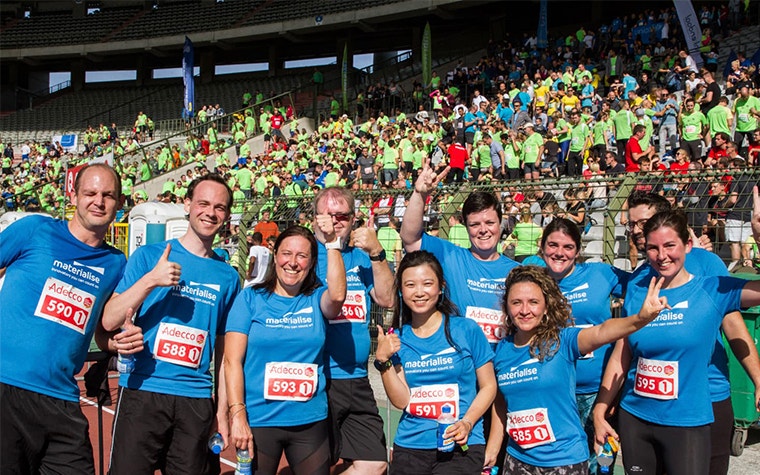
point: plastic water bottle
(216, 443)
(125, 364)
(606, 456)
(243, 462)
(444, 421)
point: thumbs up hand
(166, 273)
(387, 344)
(130, 339)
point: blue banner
(543, 36)
(188, 64)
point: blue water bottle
(444, 421)
(216, 443)
(243, 463)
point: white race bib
(489, 320)
(690, 129)
(530, 427)
(180, 345)
(427, 401)
(744, 117)
(287, 381)
(65, 304)
(656, 379)
(354, 308)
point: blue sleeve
(568, 343)
(701, 262)
(240, 316)
(437, 246)
(15, 237)
(620, 277)
(479, 346)
(138, 265)
(229, 300)
(728, 296)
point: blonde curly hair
(545, 343)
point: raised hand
(365, 238)
(387, 344)
(428, 179)
(130, 339)
(653, 304)
(166, 273)
(323, 225)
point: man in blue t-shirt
(357, 429)
(180, 292)
(58, 277)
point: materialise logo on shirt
(79, 272)
(577, 293)
(299, 319)
(431, 362)
(490, 286)
(671, 316)
(518, 374)
(197, 292)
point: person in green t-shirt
(747, 112)
(458, 232)
(624, 121)
(720, 118)
(693, 127)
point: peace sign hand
(428, 179)
(653, 304)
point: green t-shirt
(561, 124)
(745, 121)
(531, 147)
(458, 236)
(390, 157)
(691, 125)
(624, 122)
(718, 120)
(578, 136)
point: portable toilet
(155, 222)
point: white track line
(110, 411)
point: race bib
(744, 117)
(286, 381)
(65, 304)
(180, 345)
(530, 428)
(354, 308)
(489, 320)
(690, 129)
(367, 170)
(427, 401)
(575, 140)
(656, 379)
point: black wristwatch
(379, 257)
(382, 366)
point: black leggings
(654, 449)
(306, 447)
(720, 435)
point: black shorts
(653, 448)
(267, 137)
(153, 431)
(368, 181)
(42, 434)
(431, 462)
(469, 137)
(356, 431)
(306, 448)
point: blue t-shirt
(52, 297)
(180, 323)
(701, 262)
(470, 117)
(476, 287)
(587, 290)
(541, 410)
(347, 345)
(667, 382)
(588, 90)
(436, 373)
(284, 361)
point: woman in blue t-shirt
(587, 288)
(665, 405)
(535, 372)
(436, 360)
(273, 358)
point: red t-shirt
(457, 155)
(276, 121)
(682, 169)
(630, 148)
